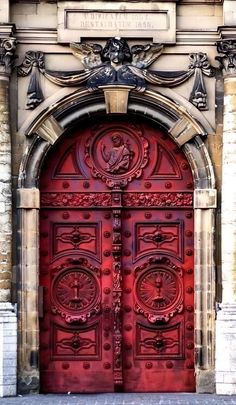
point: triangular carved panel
(166, 165)
(68, 166)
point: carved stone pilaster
(226, 316)
(8, 317)
(7, 55)
(7, 48)
(227, 47)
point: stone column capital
(7, 55)
(227, 59)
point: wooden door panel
(159, 236)
(76, 328)
(116, 262)
(164, 341)
(77, 236)
(159, 331)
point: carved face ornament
(117, 140)
(117, 51)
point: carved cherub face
(116, 53)
(116, 50)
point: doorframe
(48, 123)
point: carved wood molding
(162, 199)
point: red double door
(116, 262)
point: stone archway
(187, 133)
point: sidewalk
(120, 399)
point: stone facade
(197, 107)
(8, 344)
(225, 378)
(8, 325)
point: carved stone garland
(33, 64)
(201, 66)
(117, 63)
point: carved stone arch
(52, 119)
(56, 116)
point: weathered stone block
(7, 390)
(156, 20)
(8, 349)
(206, 198)
(28, 198)
(116, 99)
(225, 389)
(4, 11)
(206, 381)
(32, 15)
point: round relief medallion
(117, 155)
(159, 293)
(75, 290)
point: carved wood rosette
(117, 287)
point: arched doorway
(46, 126)
(116, 261)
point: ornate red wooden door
(116, 262)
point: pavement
(120, 399)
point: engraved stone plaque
(78, 20)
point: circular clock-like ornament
(159, 293)
(75, 294)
